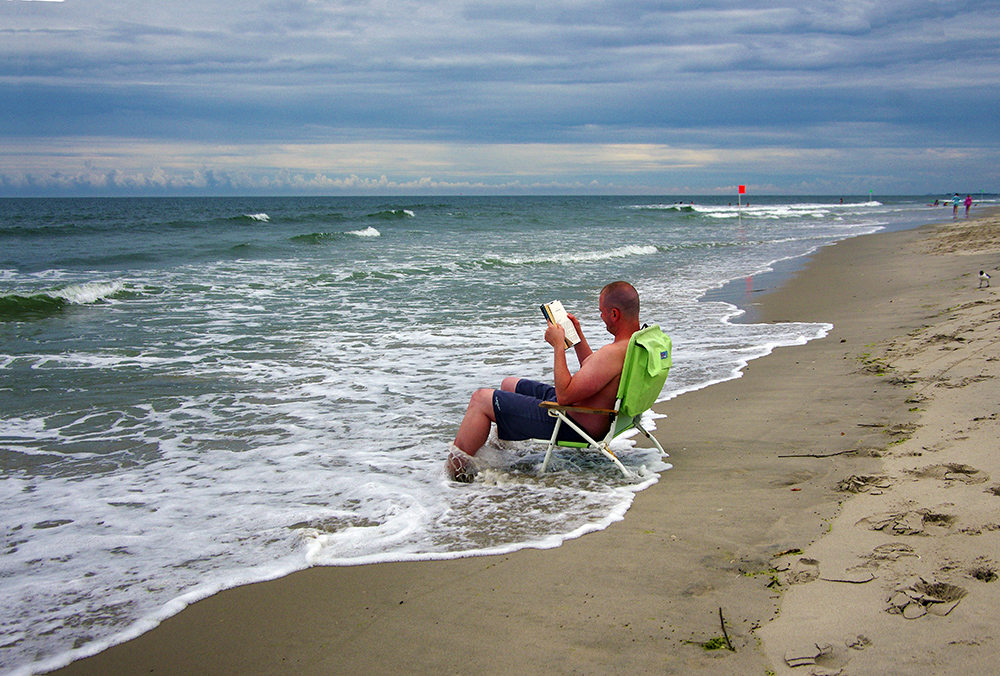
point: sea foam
(583, 256)
(367, 232)
(91, 292)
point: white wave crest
(262, 217)
(761, 211)
(367, 232)
(91, 292)
(677, 206)
(585, 256)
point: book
(555, 313)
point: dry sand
(905, 583)
(897, 405)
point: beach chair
(647, 362)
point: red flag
(743, 189)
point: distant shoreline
(745, 293)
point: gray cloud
(696, 75)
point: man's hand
(582, 348)
(555, 336)
(576, 324)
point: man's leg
(481, 414)
(475, 427)
(474, 431)
(472, 434)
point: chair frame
(604, 445)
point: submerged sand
(837, 508)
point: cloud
(134, 166)
(690, 76)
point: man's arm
(599, 369)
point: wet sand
(779, 480)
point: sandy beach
(835, 510)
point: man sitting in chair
(515, 406)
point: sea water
(200, 393)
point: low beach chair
(647, 362)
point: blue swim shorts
(519, 416)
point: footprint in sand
(793, 479)
(799, 571)
(923, 597)
(983, 569)
(964, 382)
(952, 471)
(864, 483)
(826, 658)
(891, 551)
(984, 574)
(912, 522)
(945, 340)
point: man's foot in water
(460, 466)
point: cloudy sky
(483, 96)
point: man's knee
(482, 400)
(509, 384)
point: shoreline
(648, 592)
(745, 293)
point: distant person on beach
(515, 406)
(968, 203)
(955, 201)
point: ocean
(197, 393)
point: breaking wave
(392, 214)
(18, 307)
(584, 256)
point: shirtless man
(514, 407)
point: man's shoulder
(614, 352)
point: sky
(359, 97)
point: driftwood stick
(725, 634)
(817, 455)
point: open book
(555, 313)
